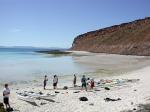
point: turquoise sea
(25, 64)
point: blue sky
(55, 23)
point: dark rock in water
(57, 92)
(83, 99)
(65, 87)
(109, 99)
(131, 103)
(135, 90)
(107, 88)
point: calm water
(25, 64)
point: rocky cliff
(131, 38)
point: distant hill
(27, 49)
(131, 38)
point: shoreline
(102, 62)
(96, 64)
(131, 94)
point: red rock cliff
(131, 38)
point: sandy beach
(133, 91)
(74, 56)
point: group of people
(55, 81)
(86, 82)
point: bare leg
(44, 85)
(82, 87)
(9, 105)
(6, 106)
(74, 84)
(86, 88)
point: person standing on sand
(83, 81)
(45, 81)
(88, 82)
(74, 80)
(6, 93)
(92, 83)
(55, 81)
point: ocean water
(20, 64)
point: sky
(55, 23)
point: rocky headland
(131, 38)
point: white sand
(112, 62)
(67, 101)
